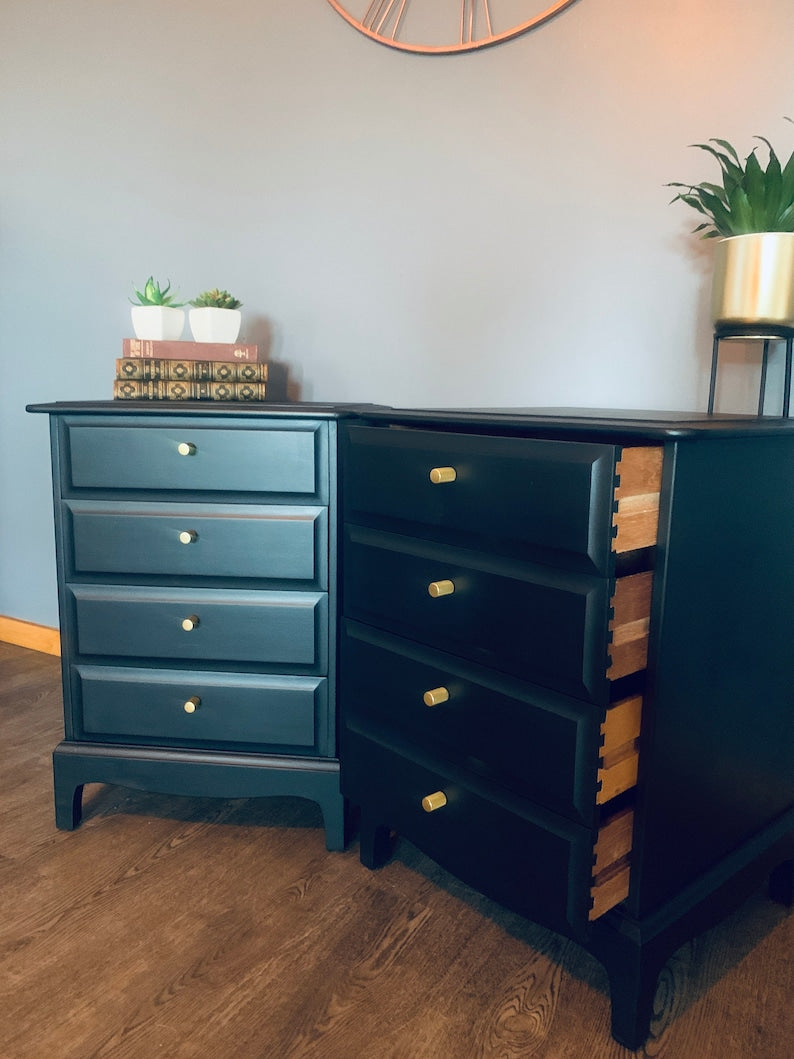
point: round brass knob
(436, 800)
(440, 588)
(439, 475)
(192, 704)
(186, 448)
(191, 623)
(188, 536)
(435, 696)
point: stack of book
(189, 371)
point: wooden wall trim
(27, 634)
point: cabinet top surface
(657, 425)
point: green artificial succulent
(216, 299)
(153, 295)
(750, 198)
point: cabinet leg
(376, 845)
(335, 817)
(68, 805)
(632, 990)
(781, 883)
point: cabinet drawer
(534, 862)
(286, 460)
(537, 623)
(196, 707)
(538, 744)
(280, 628)
(522, 496)
(195, 540)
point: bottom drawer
(530, 860)
(193, 707)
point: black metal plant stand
(767, 335)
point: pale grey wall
(478, 229)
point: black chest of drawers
(565, 671)
(198, 604)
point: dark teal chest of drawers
(197, 587)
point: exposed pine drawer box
(287, 543)
(265, 627)
(284, 459)
(549, 500)
(192, 706)
(528, 859)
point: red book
(179, 350)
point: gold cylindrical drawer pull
(186, 448)
(435, 696)
(441, 588)
(188, 536)
(192, 704)
(439, 475)
(191, 623)
(436, 800)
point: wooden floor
(198, 928)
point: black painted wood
(537, 499)
(550, 756)
(714, 804)
(543, 624)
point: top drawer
(283, 458)
(545, 500)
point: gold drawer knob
(186, 448)
(434, 801)
(439, 475)
(435, 696)
(440, 588)
(192, 704)
(191, 623)
(188, 536)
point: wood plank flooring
(223, 929)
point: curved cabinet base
(197, 774)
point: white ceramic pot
(158, 322)
(209, 324)
(754, 280)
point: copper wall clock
(437, 27)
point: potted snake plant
(157, 315)
(751, 214)
(215, 316)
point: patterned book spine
(190, 370)
(179, 350)
(174, 390)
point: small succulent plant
(216, 299)
(153, 294)
(750, 198)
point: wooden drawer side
(611, 863)
(620, 734)
(629, 625)
(617, 774)
(636, 517)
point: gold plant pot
(754, 280)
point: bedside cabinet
(197, 586)
(566, 671)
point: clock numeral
(379, 14)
